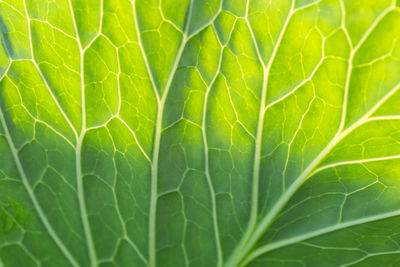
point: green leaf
(199, 133)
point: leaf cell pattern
(199, 133)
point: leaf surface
(199, 133)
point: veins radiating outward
(310, 170)
(256, 230)
(250, 246)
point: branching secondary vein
(251, 237)
(240, 250)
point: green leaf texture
(199, 133)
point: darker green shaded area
(5, 40)
(12, 214)
(14, 255)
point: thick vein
(239, 251)
(158, 127)
(32, 196)
(207, 167)
(257, 153)
(290, 241)
(78, 160)
(351, 162)
(153, 192)
(82, 204)
(118, 81)
(384, 118)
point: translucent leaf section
(199, 133)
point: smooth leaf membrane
(199, 133)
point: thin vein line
(369, 256)
(53, 27)
(292, 140)
(12, 7)
(308, 79)
(206, 158)
(36, 120)
(129, 129)
(31, 256)
(55, 131)
(55, 99)
(134, 137)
